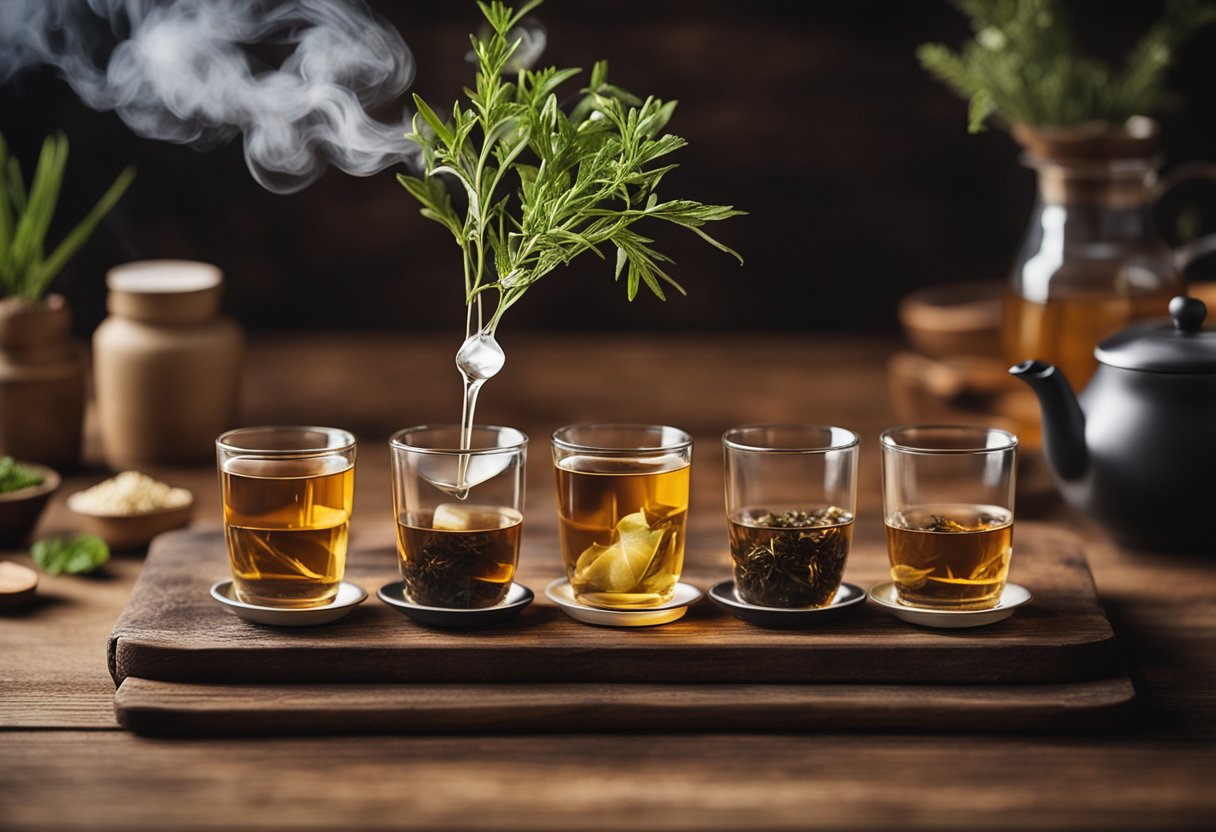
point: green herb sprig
(543, 186)
(78, 555)
(25, 269)
(1023, 66)
(15, 476)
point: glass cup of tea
(791, 492)
(288, 494)
(622, 503)
(948, 504)
(459, 512)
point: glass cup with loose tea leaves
(288, 494)
(459, 512)
(622, 504)
(948, 503)
(791, 491)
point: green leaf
(70, 244)
(433, 121)
(982, 106)
(73, 556)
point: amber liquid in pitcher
(1065, 329)
(950, 555)
(464, 564)
(287, 525)
(621, 525)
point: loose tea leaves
(790, 559)
(469, 564)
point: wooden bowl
(954, 318)
(20, 510)
(125, 532)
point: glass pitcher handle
(1184, 214)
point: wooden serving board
(150, 707)
(185, 664)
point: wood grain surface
(66, 764)
(151, 707)
(172, 630)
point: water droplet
(480, 357)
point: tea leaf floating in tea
(950, 554)
(791, 559)
(627, 565)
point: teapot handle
(1184, 214)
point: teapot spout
(1063, 421)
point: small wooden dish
(18, 584)
(20, 510)
(954, 318)
(134, 531)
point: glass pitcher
(1091, 261)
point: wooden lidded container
(166, 364)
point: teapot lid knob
(1188, 313)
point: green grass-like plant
(543, 186)
(25, 216)
(1023, 67)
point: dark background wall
(856, 168)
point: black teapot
(1137, 450)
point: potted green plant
(1090, 262)
(41, 370)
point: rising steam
(183, 71)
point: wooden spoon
(17, 583)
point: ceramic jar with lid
(166, 364)
(42, 390)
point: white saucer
(518, 597)
(846, 598)
(561, 593)
(1011, 598)
(349, 596)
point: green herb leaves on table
(26, 270)
(14, 476)
(73, 556)
(543, 186)
(1023, 66)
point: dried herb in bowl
(790, 559)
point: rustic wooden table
(64, 763)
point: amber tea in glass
(950, 555)
(459, 513)
(287, 495)
(948, 498)
(622, 495)
(790, 495)
(459, 556)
